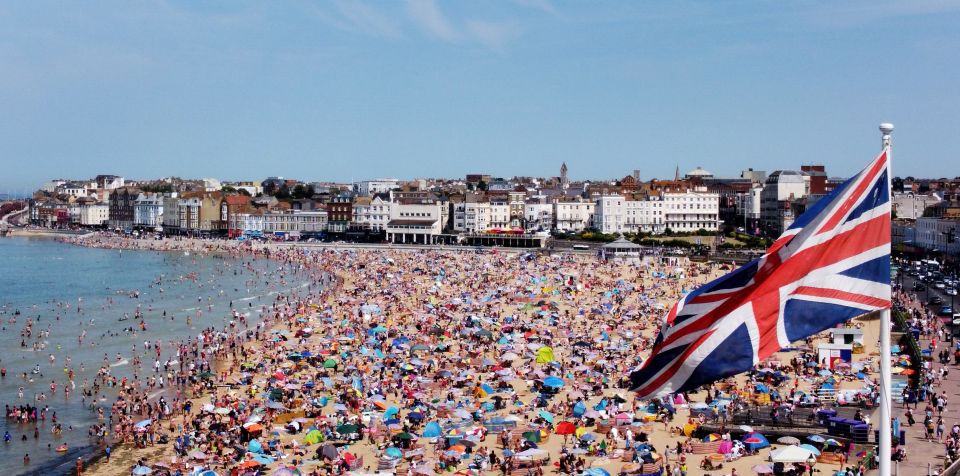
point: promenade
(921, 453)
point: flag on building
(831, 265)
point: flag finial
(886, 129)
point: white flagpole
(885, 384)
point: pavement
(922, 454)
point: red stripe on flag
(856, 195)
(842, 295)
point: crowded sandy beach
(464, 361)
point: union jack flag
(831, 265)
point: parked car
(950, 291)
(936, 300)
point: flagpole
(885, 376)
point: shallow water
(46, 281)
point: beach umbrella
(143, 424)
(831, 442)
(394, 452)
(788, 440)
(762, 469)
(546, 416)
(206, 375)
(403, 436)
(286, 472)
(141, 471)
(415, 416)
(790, 454)
(811, 449)
(222, 411)
(329, 363)
(197, 455)
(532, 436)
(254, 446)
(816, 438)
(553, 382)
(565, 428)
(588, 437)
(329, 452)
(250, 464)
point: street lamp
(810, 462)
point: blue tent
(754, 441)
(579, 409)
(432, 430)
(391, 411)
(255, 447)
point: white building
(372, 187)
(938, 235)
(212, 185)
(608, 214)
(691, 211)
(148, 210)
(644, 216)
(538, 214)
(73, 189)
(295, 222)
(499, 213)
(94, 214)
(52, 185)
(748, 207)
(416, 220)
(910, 206)
(471, 215)
(573, 215)
(780, 191)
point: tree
(283, 192)
(243, 191)
(481, 185)
(299, 191)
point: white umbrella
(790, 454)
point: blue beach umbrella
(553, 382)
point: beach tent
(313, 437)
(255, 447)
(432, 430)
(545, 355)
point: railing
(909, 344)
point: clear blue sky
(340, 90)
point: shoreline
(126, 452)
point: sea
(69, 291)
